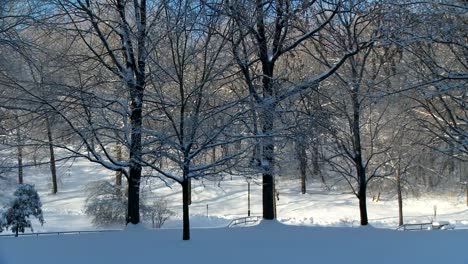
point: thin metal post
(248, 198)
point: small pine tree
(25, 204)
(2, 220)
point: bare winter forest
(368, 96)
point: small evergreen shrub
(26, 203)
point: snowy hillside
(225, 200)
(316, 232)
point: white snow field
(269, 242)
(314, 228)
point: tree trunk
(255, 160)
(362, 194)
(35, 157)
(363, 207)
(189, 191)
(302, 157)
(118, 174)
(185, 210)
(268, 167)
(268, 105)
(53, 170)
(19, 155)
(213, 155)
(268, 117)
(268, 196)
(400, 197)
(315, 163)
(360, 170)
(133, 212)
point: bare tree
(262, 33)
(436, 46)
(361, 115)
(190, 95)
(115, 34)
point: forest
(368, 96)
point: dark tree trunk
(53, 170)
(268, 168)
(133, 213)
(185, 210)
(19, 155)
(302, 157)
(362, 193)
(315, 162)
(400, 197)
(363, 207)
(35, 157)
(213, 155)
(255, 160)
(268, 197)
(268, 113)
(189, 191)
(118, 174)
(268, 146)
(357, 152)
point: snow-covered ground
(269, 242)
(225, 200)
(314, 229)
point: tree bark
(133, 212)
(268, 146)
(118, 174)
(189, 191)
(363, 207)
(268, 166)
(357, 148)
(185, 210)
(53, 170)
(19, 155)
(315, 162)
(400, 197)
(213, 155)
(302, 157)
